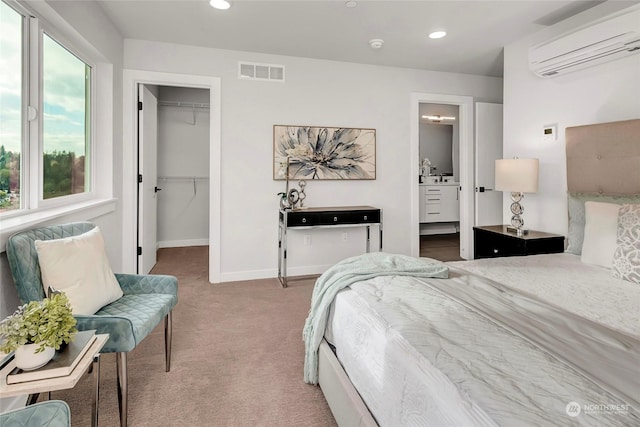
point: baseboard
(273, 272)
(183, 243)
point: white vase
(27, 359)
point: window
(45, 116)
(65, 121)
(11, 83)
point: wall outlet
(345, 237)
(307, 239)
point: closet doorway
(173, 169)
(132, 79)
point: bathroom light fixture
(220, 4)
(437, 34)
(438, 117)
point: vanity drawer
(439, 203)
(432, 192)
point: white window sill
(76, 212)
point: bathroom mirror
(439, 138)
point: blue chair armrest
(132, 284)
(120, 331)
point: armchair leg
(167, 341)
(121, 367)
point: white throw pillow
(600, 233)
(626, 259)
(78, 265)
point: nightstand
(493, 241)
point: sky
(63, 91)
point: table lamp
(517, 176)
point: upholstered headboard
(604, 158)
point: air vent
(264, 72)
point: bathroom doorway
(439, 181)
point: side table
(493, 241)
(35, 387)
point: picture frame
(323, 153)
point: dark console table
(343, 216)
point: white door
(148, 179)
(488, 148)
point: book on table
(63, 362)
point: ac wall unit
(602, 41)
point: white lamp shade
(517, 175)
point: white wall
(183, 151)
(608, 92)
(322, 93)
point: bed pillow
(600, 233)
(576, 203)
(79, 267)
(626, 258)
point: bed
(537, 340)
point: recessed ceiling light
(437, 34)
(351, 4)
(220, 4)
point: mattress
(420, 357)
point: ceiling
(477, 30)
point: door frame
(466, 165)
(131, 79)
(478, 139)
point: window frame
(99, 200)
(49, 31)
(32, 198)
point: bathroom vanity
(439, 200)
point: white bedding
(562, 279)
(478, 372)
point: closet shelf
(182, 104)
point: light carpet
(237, 357)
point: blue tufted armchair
(52, 413)
(146, 301)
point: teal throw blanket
(344, 274)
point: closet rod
(183, 178)
(182, 104)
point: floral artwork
(324, 152)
